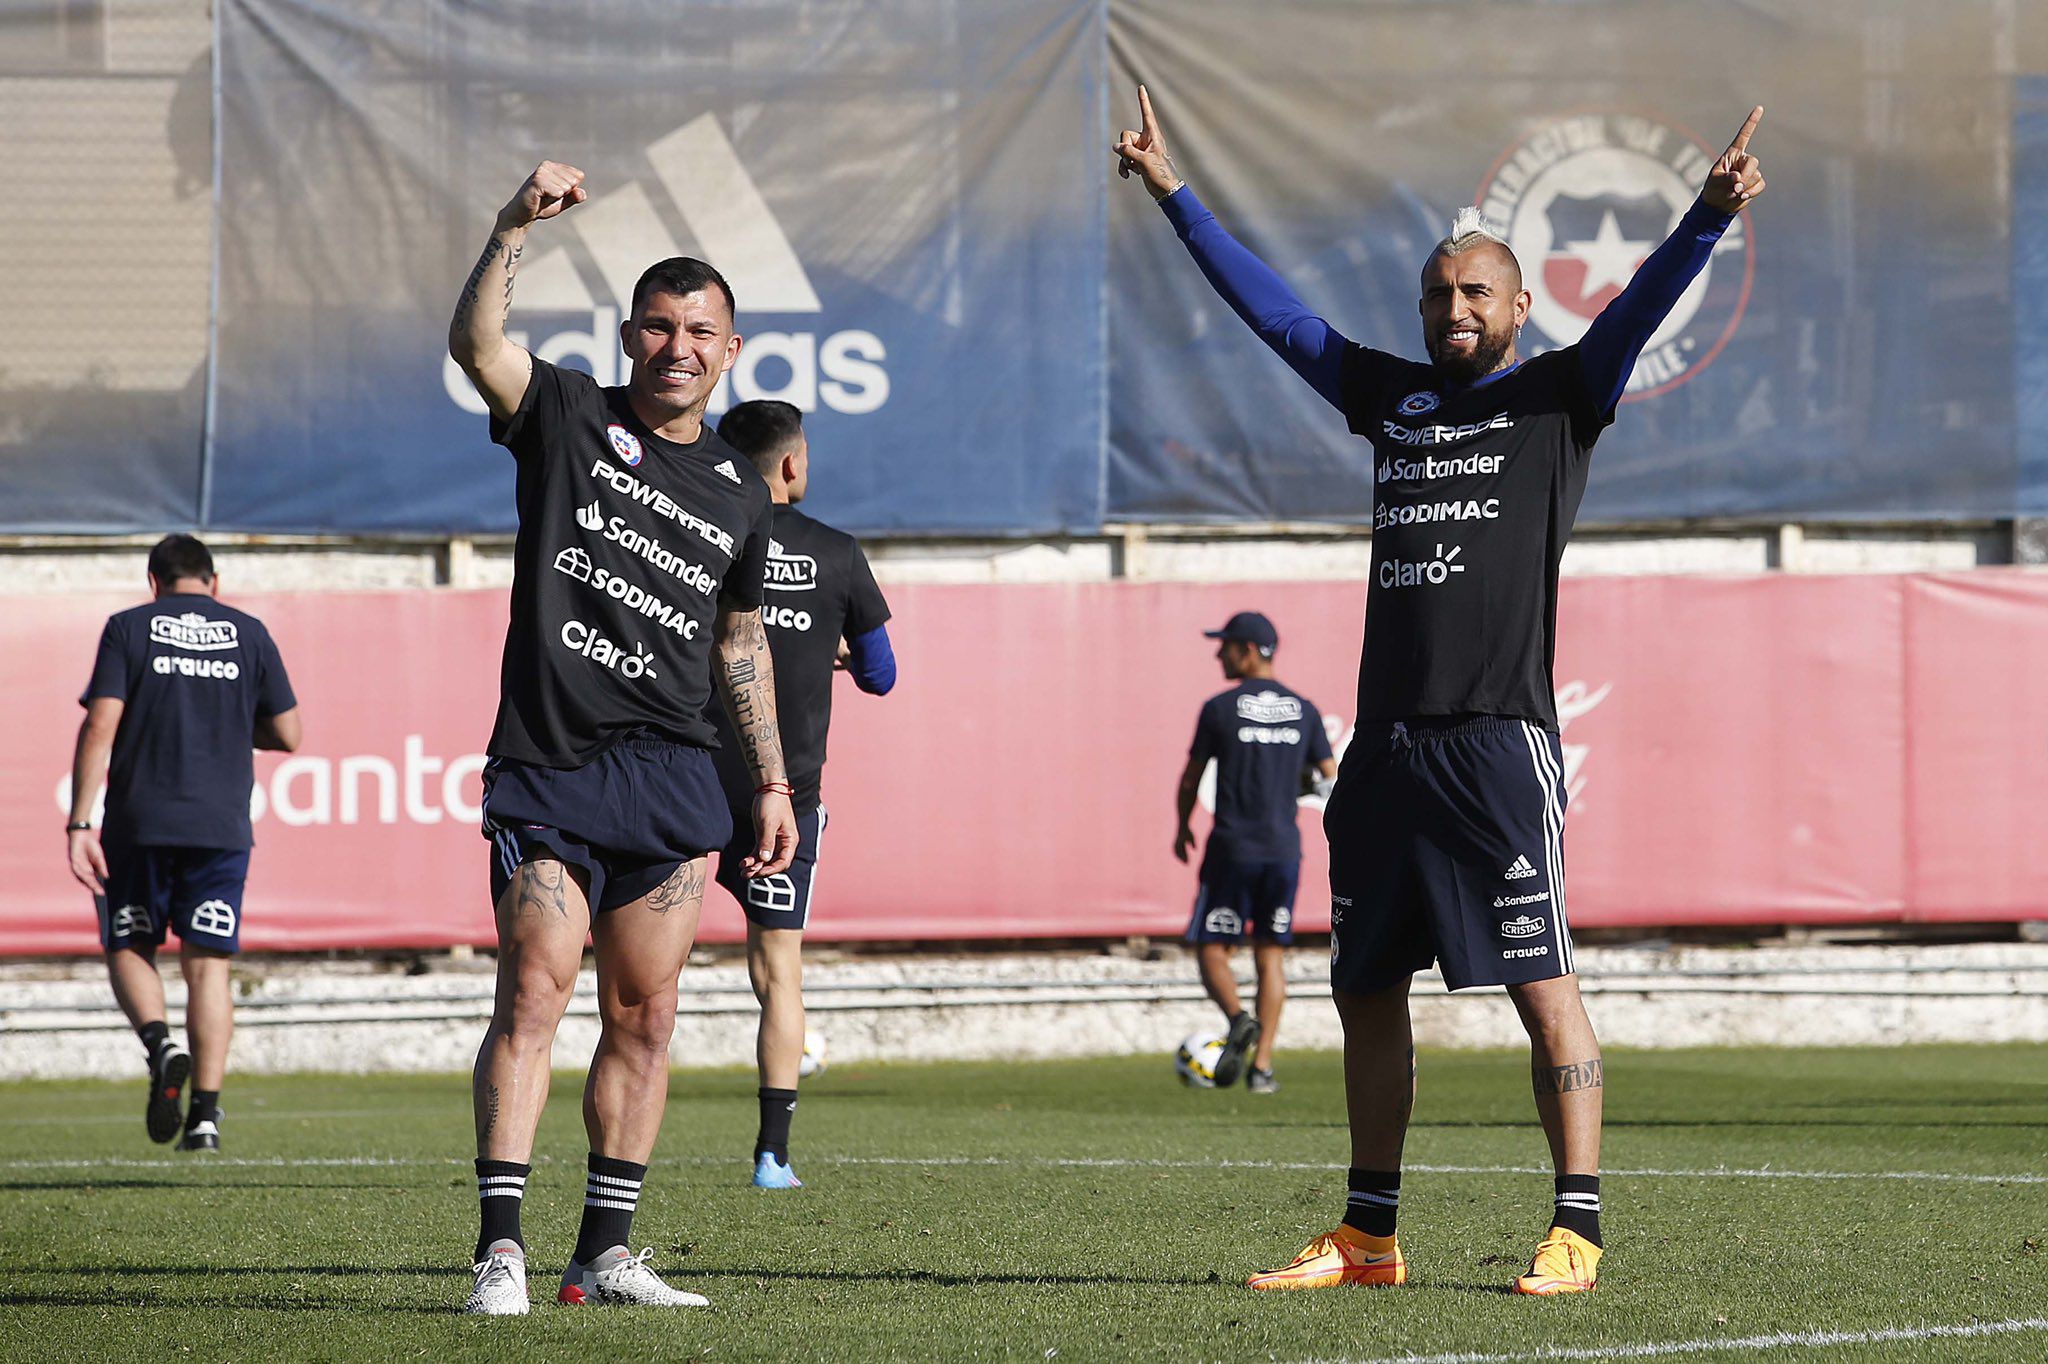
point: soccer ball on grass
(1195, 1062)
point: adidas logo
(1519, 869)
(697, 169)
(730, 472)
(594, 255)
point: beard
(1484, 359)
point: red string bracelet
(780, 788)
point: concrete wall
(58, 1020)
(1156, 554)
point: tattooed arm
(745, 672)
(476, 334)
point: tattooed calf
(1566, 1079)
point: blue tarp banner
(239, 322)
(2029, 287)
(896, 191)
(1847, 354)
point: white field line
(1786, 1340)
(1041, 1163)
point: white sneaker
(619, 1276)
(500, 1282)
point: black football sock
(1374, 1201)
(153, 1035)
(205, 1108)
(778, 1107)
(610, 1195)
(1578, 1205)
(500, 1189)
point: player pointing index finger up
(1446, 825)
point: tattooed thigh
(684, 887)
(541, 887)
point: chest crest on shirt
(626, 444)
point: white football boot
(617, 1276)
(500, 1282)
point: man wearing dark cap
(1267, 740)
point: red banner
(1739, 750)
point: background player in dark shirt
(182, 690)
(643, 540)
(823, 607)
(1446, 825)
(1265, 738)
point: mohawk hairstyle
(1468, 229)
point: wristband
(779, 788)
(78, 826)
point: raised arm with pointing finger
(476, 334)
(1314, 349)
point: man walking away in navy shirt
(182, 691)
(1265, 739)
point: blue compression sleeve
(872, 662)
(1609, 349)
(1311, 346)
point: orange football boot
(1344, 1256)
(1566, 1262)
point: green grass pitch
(1075, 1210)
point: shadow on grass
(238, 1271)
(942, 1279)
(129, 1302)
(681, 1269)
(173, 1185)
(1611, 1124)
(124, 1295)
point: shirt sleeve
(1311, 347)
(1318, 737)
(1608, 351)
(871, 661)
(743, 587)
(273, 687)
(866, 608)
(1364, 377)
(551, 394)
(1204, 746)
(109, 666)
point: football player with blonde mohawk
(1446, 826)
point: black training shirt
(193, 675)
(820, 590)
(627, 546)
(1263, 736)
(1474, 492)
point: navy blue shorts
(1447, 845)
(1236, 898)
(197, 891)
(784, 899)
(626, 819)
